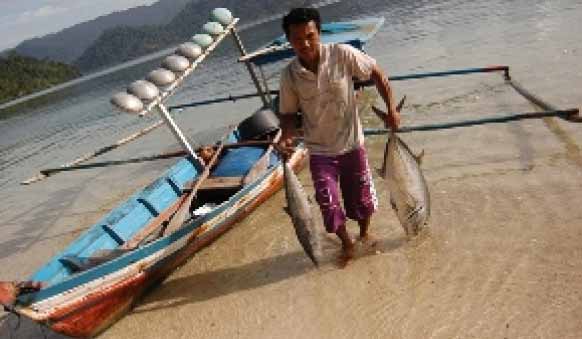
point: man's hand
(285, 146)
(391, 120)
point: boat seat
(221, 183)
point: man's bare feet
(365, 238)
(346, 256)
(347, 247)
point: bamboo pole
(537, 101)
(467, 123)
(97, 152)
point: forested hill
(70, 43)
(123, 43)
(23, 75)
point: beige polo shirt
(330, 115)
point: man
(319, 83)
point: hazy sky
(24, 19)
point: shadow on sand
(209, 285)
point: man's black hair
(301, 16)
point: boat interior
(245, 156)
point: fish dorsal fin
(380, 113)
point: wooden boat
(98, 278)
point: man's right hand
(393, 119)
(285, 146)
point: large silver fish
(299, 208)
(409, 195)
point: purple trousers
(351, 173)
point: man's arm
(383, 86)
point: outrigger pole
(241, 48)
(572, 114)
(248, 57)
(565, 114)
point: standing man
(319, 83)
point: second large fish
(299, 208)
(409, 193)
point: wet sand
(501, 257)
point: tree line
(21, 75)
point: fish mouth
(413, 219)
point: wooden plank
(183, 211)
(221, 183)
(263, 51)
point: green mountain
(69, 44)
(23, 75)
(123, 43)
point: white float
(127, 102)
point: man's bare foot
(346, 256)
(368, 240)
(347, 246)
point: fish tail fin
(419, 157)
(287, 210)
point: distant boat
(97, 278)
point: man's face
(304, 39)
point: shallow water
(501, 257)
